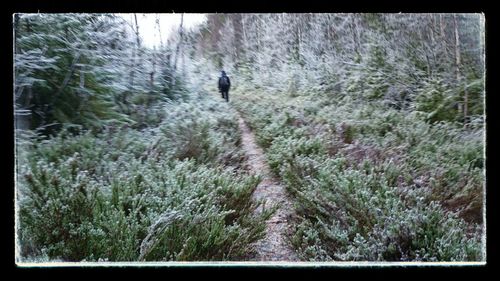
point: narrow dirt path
(273, 247)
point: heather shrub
(371, 182)
(106, 195)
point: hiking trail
(273, 247)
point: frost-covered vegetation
(157, 176)
(373, 122)
(171, 192)
(380, 185)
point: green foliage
(357, 215)
(108, 195)
(204, 130)
(86, 69)
(60, 69)
(370, 182)
(436, 100)
(476, 95)
(363, 123)
(285, 150)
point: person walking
(224, 85)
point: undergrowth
(370, 182)
(168, 193)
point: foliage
(388, 188)
(87, 69)
(104, 196)
(374, 123)
(60, 69)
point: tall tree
(177, 48)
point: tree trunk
(425, 51)
(442, 29)
(441, 25)
(132, 70)
(244, 33)
(68, 75)
(152, 73)
(159, 31)
(432, 34)
(355, 38)
(431, 30)
(238, 37)
(135, 53)
(172, 82)
(137, 38)
(458, 61)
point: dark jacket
(224, 88)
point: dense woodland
(373, 122)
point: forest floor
(274, 246)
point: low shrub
(370, 182)
(172, 192)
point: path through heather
(274, 246)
